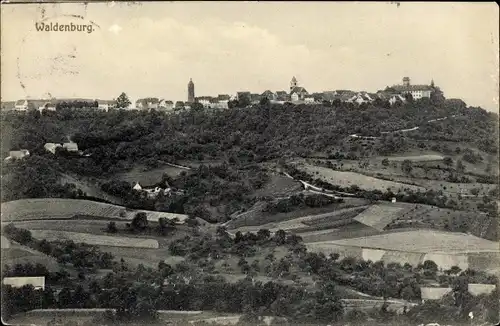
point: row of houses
(70, 147)
(153, 103)
(51, 104)
(303, 97)
(153, 192)
(297, 94)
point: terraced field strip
(416, 158)
(5, 243)
(446, 249)
(368, 304)
(305, 221)
(19, 254)
(54, 208)
(151, 177)
(347, 179)
(378, 216)
(424, 241)
(93, 239)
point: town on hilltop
(296, 94)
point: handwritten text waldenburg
(56, 27)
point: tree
(263, 234)
(111, 227)
(140, 221)
(192, 221)
(448, 161)
(196, 106)
(460, 166)
(123, 101)
(264, 101)
(407, 166)
(385, 162)
(280, 237)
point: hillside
(304, 218)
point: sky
(153, 49)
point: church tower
(191, 91)
(293, 83)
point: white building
(38, 282)
(166, 105)
(21, 105)
(51, 147)
(71, 147)
(416, 91)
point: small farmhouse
(71, 147)
(51, 147)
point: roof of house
(243, 93)
(223, 97)
(267, 93)
(36, 281)
(298, 89)
(109, 102)
(281, 93)
(428, 293)
(70, 145)
(410, 88)
(477, 289)
(206, 98)
(152, 100)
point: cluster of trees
(259, 132)
(244, 245)
(140, 224)
(296, 202)
(226, 187)
(35, 177)
(78, 104)
(474, 125)
(185, 287)
(79, 255)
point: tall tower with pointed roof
(191, 91)
(293, 83)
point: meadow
(93, 239)
(347, 179)
(58, 208)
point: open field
(98, 227)
(448, 187)
(93, 239)
(256, 217)
(426, 216)
(279, 186)
(446, 249)
(19, 254)
(424, 241)
(347, 179)
(416, 158)
(56, 208)
(378, 216)
(90, 188)
(5, 243)
(149, 177)
(79, 316)
(369, 304)
(307, 222)
(145, 256)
